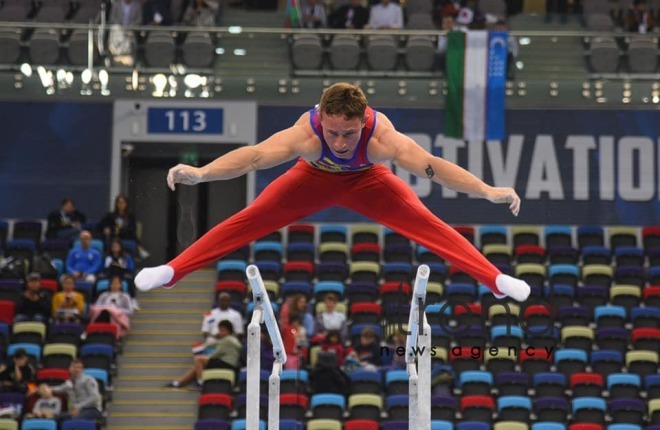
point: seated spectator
(397, 340)
(222, 312)
(447, 26)
(386, 15)
(297, 303)
(120, 224)
(85, 401)
(120, 263)
(84, 262)
(200, 13)
(126, 13)
(350, 16)
(65, 223)
(18, 373)
(444, 8)
(366, 353)
(156, 12)
(68, 305)
(227, 355)
(48, 406)
(332, 343)
(113, 306)
(314, 15)
(296, 342)
(331, 319)
(639, 19)
(35, 304)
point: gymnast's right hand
(183, 174)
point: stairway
(156, 351)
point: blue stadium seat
(590, 236)
(629, 411)
(550, 384)
(624, 385)
(328, 406)
(475, 382)
(569, 361)
(231, 269)
(291, 425)
(610, 316)
(333, 233)
(606, 362)
(397, 406)
(442, 425)
(501, 331)
(38, 424)
(589, 409)
(323, 287)
(301, 251)
(77, 424)
(399, 272)
(551, 409)
(629, 256)
(564, 274)
(268, 251)
(512, 383)
(624, 427)
(424, 255)
(574, 316)
(365, 381)
(211, 424)
(596, 255)
(473, 425)
(492, 234)
(97, 355)
(652, 386)
(294, 381)
(514, 408)
(270, 270)
(296, 287)
(242, 425)
(548, 426)
(645, 317)
(30, 348)
(558, 235)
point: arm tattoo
(429, 171)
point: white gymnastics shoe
(515, 288)
(153, 277)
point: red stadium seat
(236, 289)
(301, 233)
(7, 310)
(361, 425)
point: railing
(551, 69)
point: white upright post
(253, 370)
(261, 301)
(424, 375)
(415, 377)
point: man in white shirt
(222, 312)
(385, 16)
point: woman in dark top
(120, 224)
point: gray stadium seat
(420, 21)
(419, 6)
(604, 55)
(382, 53)
(15, 10)
(642, 55)
(159, 49)
(89, 10)
(599, 22)
(494, 7)
(420, 53)
(78, 48)
(198, 50)
(45, 46)
(345, 52)
(53, 11)
(10, 45)
(307, 52)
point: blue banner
(496, 84)
(568, 166)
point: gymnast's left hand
(505, 195)
(183, 174)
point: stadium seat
(365, 251)
(551, 409)
(424, 255)
(577, 337)
(597, 274)
(65, 333)
(548, 426)
(38, 424)
(562, 255)
(586, 384)
(32, 350)
(328, 406)
(550, 384)
(606, 362)
(574, 316)
(443, 408)
(610, 316)
(542, 337)
(214, 406)
(105, 333)
(510, 425)
(337, 272)
(268, 251)
(642, 363)
(304, 233)
(529, 254)
(298, 271)
(532, 364)
(345, 52)
(652, 386)
(475, 382)
(441, 425)
(211, 424)
(629, 256)
(631, 275)
(492, 234)
(477, 408)
(11, 290)
(365, 406)
(525, 235)
(307, 52)
(558, 236)
(333, 252)
(533, 274)
(218, 381)
(366, 382)
(198, 50)
(294, 381)
(397, 406)
(589, 410)
(29, 332)
(654, 411)
(569, 361)
(465, 359)
(78, 424)
(593, 296)
(360, 425)
(624, 386)
(497, 253)
(590, 236)
(645, 339)
(52, 376)
(293, 406)
(97, 355)
(627, 411)
(301, 251)
(473, 425)
(622, 236)
(596, 255)
(242, 425)
(240, 404)
(626, 296)
(512, 383)
(231, 270)
(58, 355)
(333, 233)
(499, 360)
(296, 287)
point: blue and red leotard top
(328, 162)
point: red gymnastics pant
(303, 190)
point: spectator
(294, 337)
(65, 223)
(367, 350)
(330, 318)
(512, 50)
(126, 13)
(156, 12)
(113, 306)
(227, 355)
(386, 15)
(297, 303)
(84, 262)
(447, 26)
(85, 401)
(18, 373)
(200, 13)
(445, 8)
(314, 15)
(35, 304)
(350, 16)
(48, 406)
(68, 305)
(397, 340)
(639, 19)
(120, 224)
(120, 263)
(332, 343)
(222, 312)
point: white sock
(515, 288)
(153, 277)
